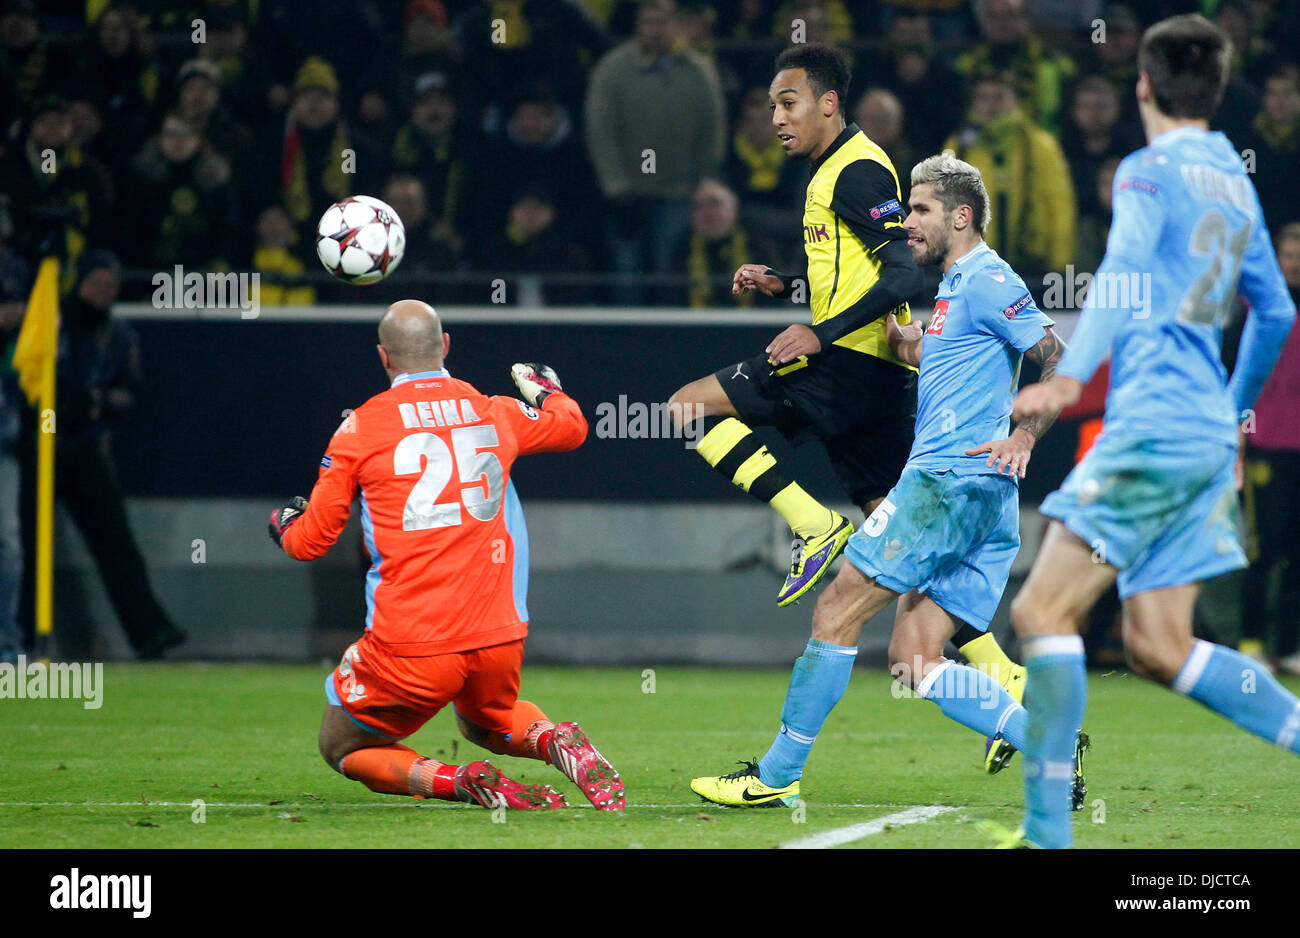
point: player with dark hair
(446, 594)
(942, 542)
(1153, 504)
(837, 380)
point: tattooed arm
(1015, 449)
(1046, 354)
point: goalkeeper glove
(281, 518)
(535, 382)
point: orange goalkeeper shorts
(394, 696)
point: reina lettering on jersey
(813, 233)
(940, 314)
(444, 413)
(1017, 306)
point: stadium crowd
(570, 137)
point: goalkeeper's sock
(972, 698)
(821, 675)
(1241, 689)
(736, 452)
(400, 770)
(1055, 697)
(982, 649)
(529, 736)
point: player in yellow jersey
(835, 380)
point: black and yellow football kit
(854, 395)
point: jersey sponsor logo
(1017, 306)
(326, 461)
(1141, 185)
(815, 233)
(937, 320)
(886, 208)
(529, 412)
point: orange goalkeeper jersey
(442, 523)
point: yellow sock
(734, 450)
(986, 651)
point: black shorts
(861, 407)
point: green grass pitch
(1164, 772)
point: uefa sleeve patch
(886, 208)
(1140, 185)
(529, 412)
(1017, 306)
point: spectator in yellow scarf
(317, 156)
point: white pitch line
(844, 835)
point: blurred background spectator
(716, 245)
(1271, 145)
(1093, 135)
(913, 70)
(654, 114)
(1094, 223)
(15, 283)
(1027, 178)
(1271, 498)
(55, 194)
(1009, 44)
(432, 146)
(275, 256)
(879, 115)
(183, 203)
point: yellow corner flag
(35, 356)
(38, 340)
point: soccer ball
(360, 240)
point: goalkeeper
(447, 588)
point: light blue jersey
(984, 320)
(1186, 236)
(1155, 495)
(950, 528)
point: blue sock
(1239, 688)
(820, 677)
(975, 700)
(1056, 692)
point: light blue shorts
(1162, 512)
(951, 537)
